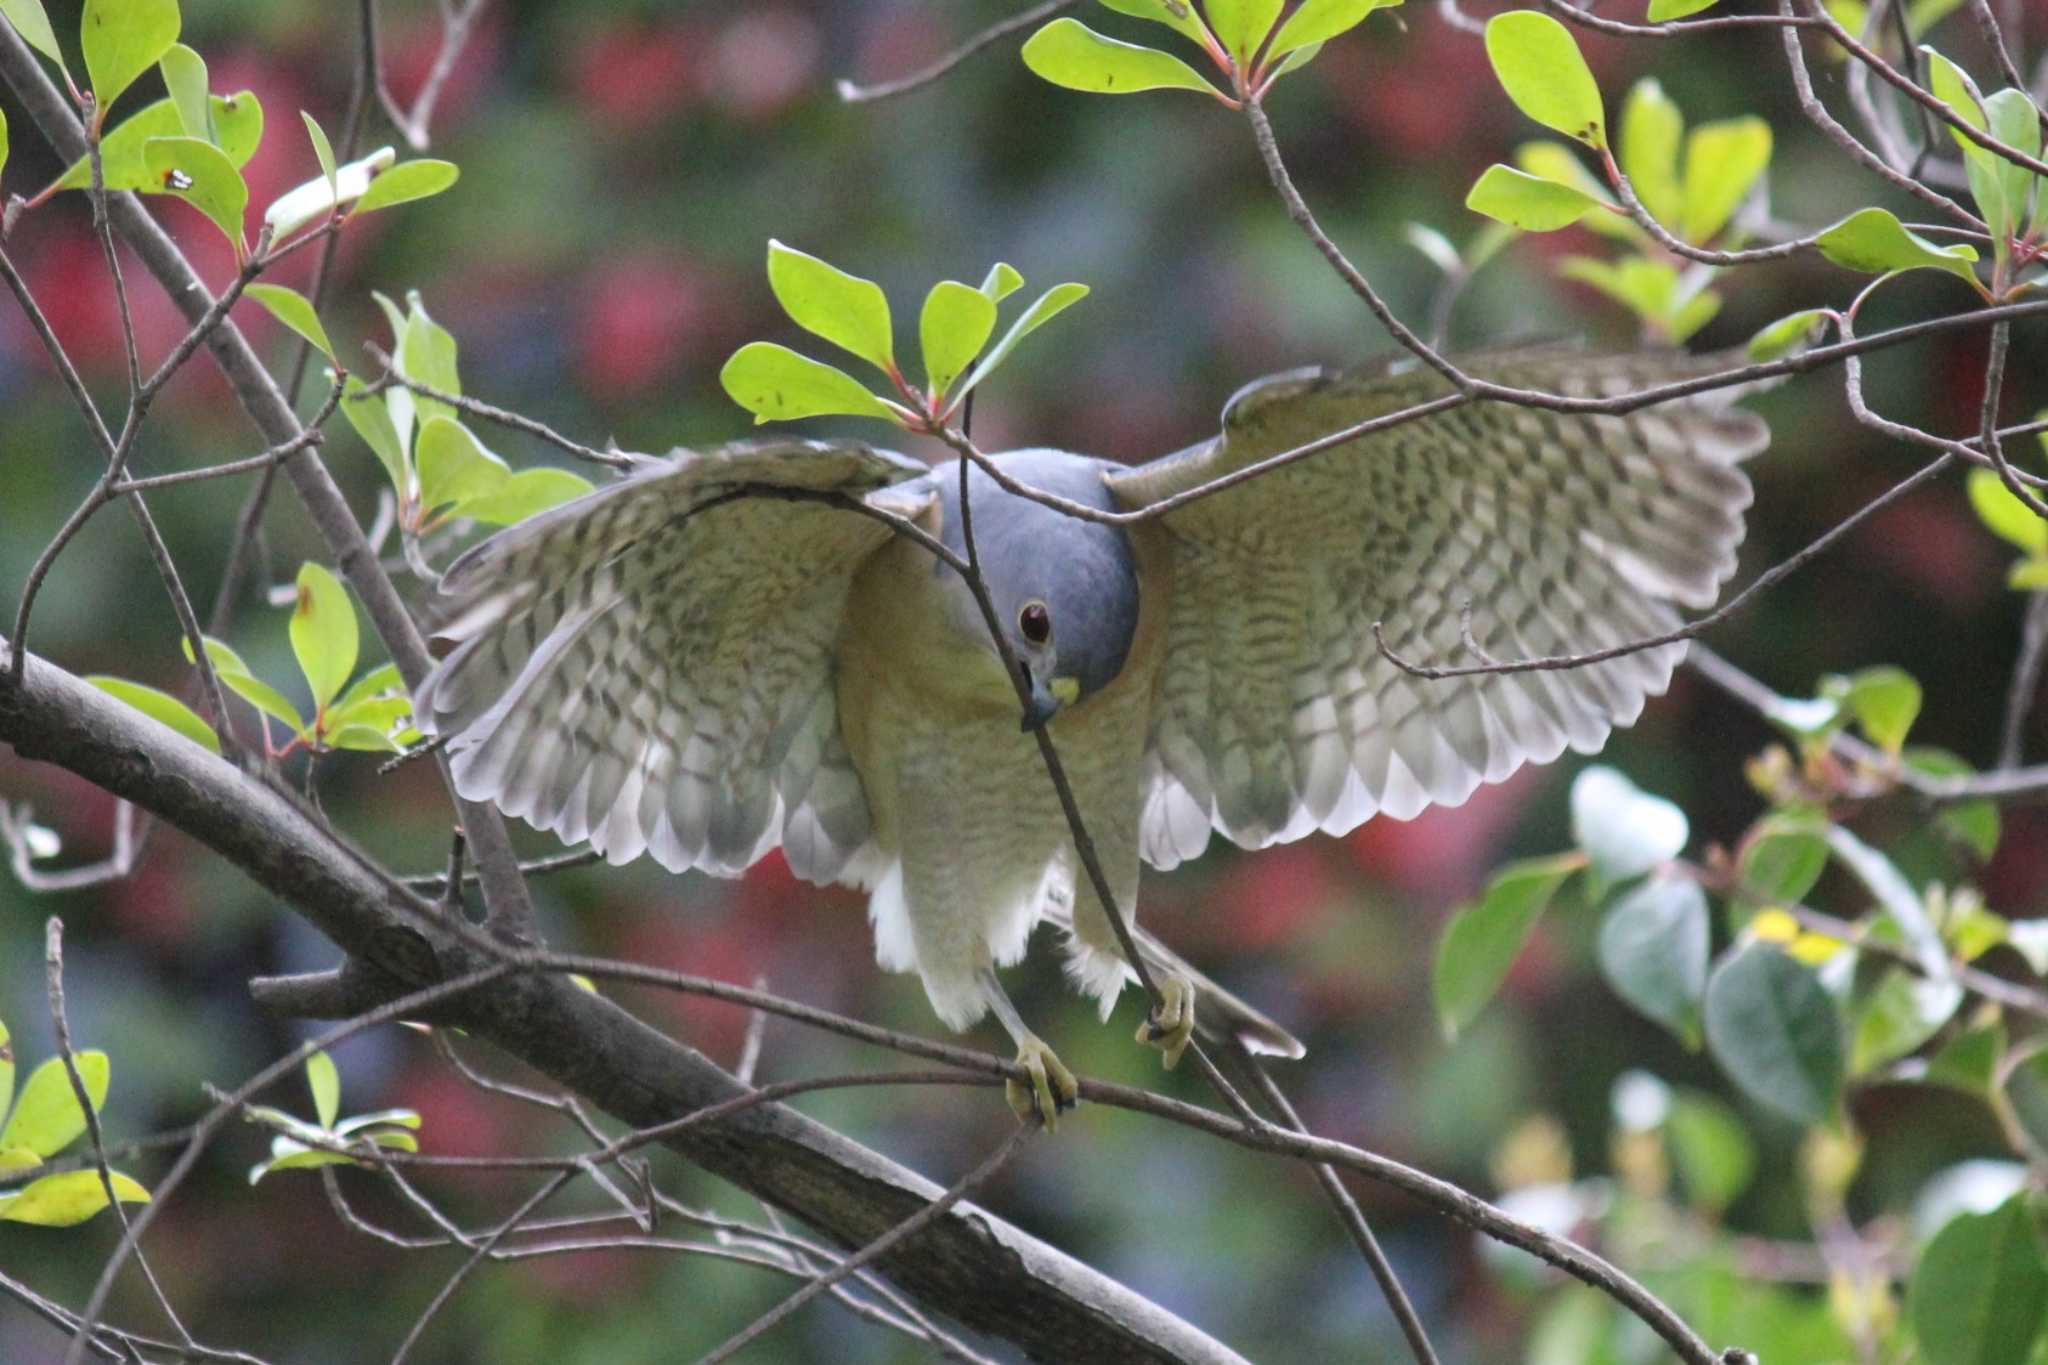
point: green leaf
(184, 73)
(2008, 517)
(1001, 281)
(293, 310)
(200, 173)
(2026, 1095)
(1885, 702)
(402, 1118)
(288, 1155)
(454, 465)
(1651, 131)
(1876, 243)
(1318, 21)
(426, 355)
(1048, 306)
(323, 632)
(160, 707)
(234, 675)
(1969, 1061)
(1556, 161)
(525, 493)
(1241, 26)
(122, 39)
(405, 182)
(1722, 161)
(1984, 168)
(1528, 202)
(46, 1118)
(954, 326)
(323, 150)
(3, 140)
(361, 739)
(372, 421)
(237, 130)
(14, 1160)
(1980, 1292)
(778, 385)
(69, 1198)
(1663, 10)
(6, 1071)
(1896, 895)
(1773, 1028)
(1482, 940)
(1782, 859)
(1694, 313)
(325, 1083)
(33, 25)
(1793, 332)
(2028, 575)
(1624, 830)
(316, 199)
(1539, 65)
(1899, 1013)
(1069, 53)
(1178, 15)
(1711, 1148)
(2011, 118)
(846, 310)
(1653, 949)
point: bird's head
(1064, 589)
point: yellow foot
(1052, 1089)
(1170, 1027)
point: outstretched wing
(1562, 533)
(649, 667)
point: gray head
(1065, 590)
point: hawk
(708, 659)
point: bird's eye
(1035, 622)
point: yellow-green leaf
(1540, 67)
(1001, 281)
(1662, 10)
(1722, 161)
(15, 1160)
(323, 632)
(1482, 940)
(1318, 21)
(69, 1198)
(184, 73)
(234, 675)
(237, 129)
(160, 707)
(778, 385)
(325, 1083)
(46, 1118)
(1556, 161)
(1178, 15)
(293, 310)
(122, 39)
(1652, 130)
(2008, 517)
(1049, 305)
(200, 173)
(1528, 202)
(372, 420)
(405, 182)
(1069, 53)
(952, 329)
(846, 310)
(426, 355)
(33, 25)
(323, 150)
(1876, 242)
(454, 465)
(6, 1071)
(1793, 332)
(1241, 25)
(524, 494)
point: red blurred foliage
(763, 61)
(2016, 882)
(459, 1118)
(725, 948)
(1444, 853)
(1934, 545)
(1268, 899)
(591, 1279)
(641, 317)
(630, 76)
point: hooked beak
(1047, 697)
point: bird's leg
(1172, 1024)
(1052, 1087)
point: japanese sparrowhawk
(677, 666)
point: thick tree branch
(970, 1265)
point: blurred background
(623, 165)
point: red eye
(1035, 622)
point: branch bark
(969, 1264)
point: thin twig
(851, 93)
(514, 421)
(903, 1231)
(2026, 682)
